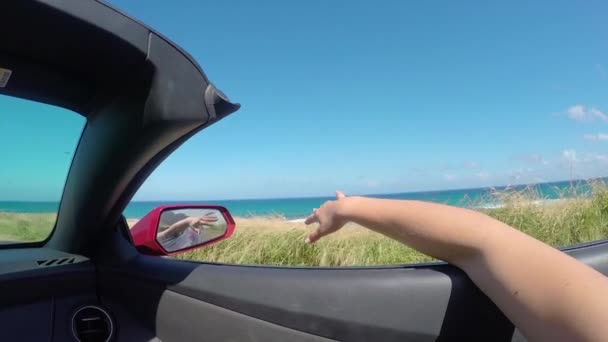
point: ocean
(294, 208)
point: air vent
(92, 324)
(55, 262)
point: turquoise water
(292, 208)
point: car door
(179, 300)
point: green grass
(274, 241)
(560, 224)
(25, 227)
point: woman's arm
(546, 293)
(175, 229)
(183, 224)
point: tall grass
(275, 241)
(561, 223)
(25, 227)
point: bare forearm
(447, 233)
(173, 230)
(546, 293)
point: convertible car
(91, 280)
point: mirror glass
(188, 227)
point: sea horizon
(298, 207)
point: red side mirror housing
(174, 229)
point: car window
(482, 106)
(37, 142)
(271, 231)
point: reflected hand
(205, 220)
(327, 217)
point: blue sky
(380, 97)
(37, 144)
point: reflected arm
(174, 230)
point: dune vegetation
(276, 241)
(25, 227)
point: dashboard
(48, 295)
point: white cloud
(568, 163)
(524, 175)
(594, 157)
(449, 177)
(443, 166)
(590, 137)
(601, 158)
(587, 165)
(596, 137)
(596, 113)
(580, 113)
(417, 171)
(577, 113)
(471, 165)
(483, 176)
(569, 155)
(533, 158)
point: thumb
(339, 195)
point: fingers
(209, 217)
(205, 221)
(340, 195)
(314, 236)
(311, 219)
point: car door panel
(388, 304)
(419, 303)
(179, 319)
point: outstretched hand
(327, 217)
(205, 220)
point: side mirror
(174, 229)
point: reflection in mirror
(184, 228)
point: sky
(372, 97)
